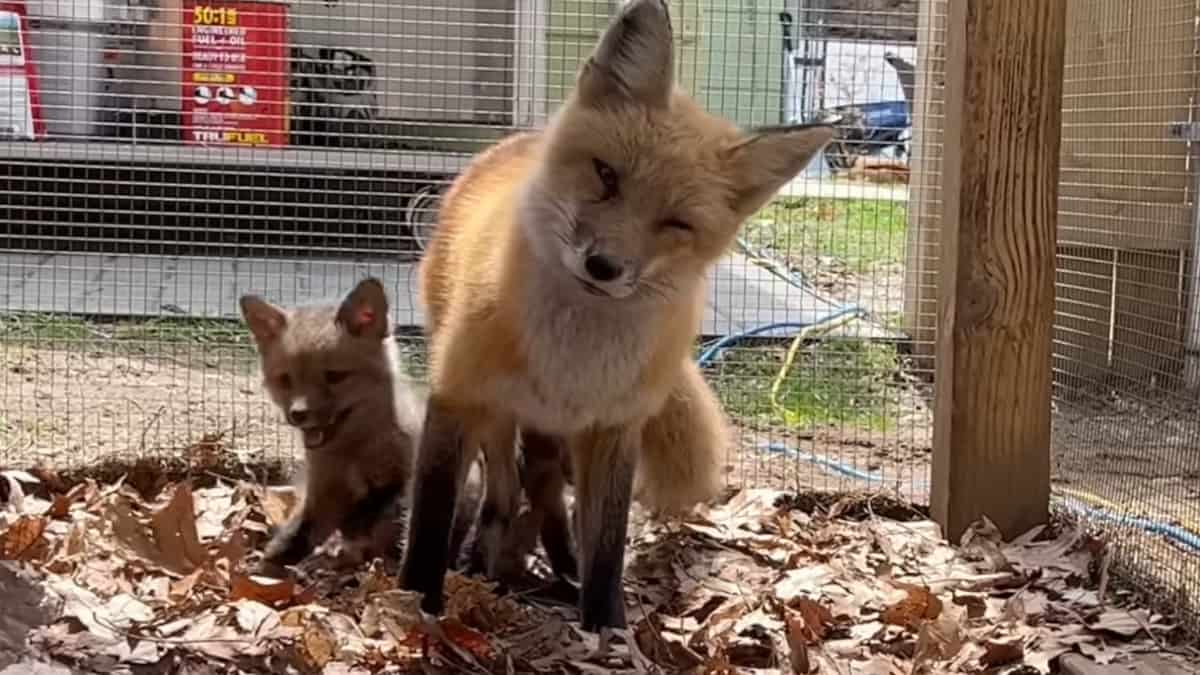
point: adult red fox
(564, 288)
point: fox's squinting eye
(677, 225)
(608, 178)
(283, 380)
(335, 376)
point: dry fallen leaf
(797, 640)
(975, 603)
(1125, 623)
(395, 614)
(60, 507)
(727, 606)
(878, 665)
(466, 638)
(941, 638)
(232, 549)
(663, 647)
(474, 602)
(181, 589)
(174, 528)
(277, 504)
(256, 618)
(815, 617)
(50, 478)
(917, 605)
(23, 539)
(129, 531)
(210, 637)
(984, 539)
(268, 591)
(317, 644)
(808, 580)
(1002, 653)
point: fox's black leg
(604, 468)
(440, 462)
(371, 519)
(297, 538)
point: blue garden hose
(718, 346)
(834, 466)
(1179, 535)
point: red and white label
(235, 73)
(20, 117)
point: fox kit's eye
(677, 225)
(335, 376)
(608, 178)
(283, 380)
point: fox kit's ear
(364, 312)
(766, 159)
(266, 321)
(634, 60)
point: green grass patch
(51, 328)
(861, 233)
(831, 382)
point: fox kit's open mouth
(315, 437)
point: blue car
(866, 129)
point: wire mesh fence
(1127, 442)
(165, 156)
(185, 152)
(1126, 437)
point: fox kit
(333, 372)
(564, 287)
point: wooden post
(1003, 109)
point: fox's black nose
(602, 267)
(297, 416)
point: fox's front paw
(602, 595)
(425, 579)
(602, 610)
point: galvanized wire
(127, 235)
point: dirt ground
(73, 407)
(1140, 459)
(879, 291)
(895, 462)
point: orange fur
(565, 285)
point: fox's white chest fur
(585, 363)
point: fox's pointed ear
(265, 321)
(364, 312)
(766, 159)
(634, 60)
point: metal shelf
(406, 161)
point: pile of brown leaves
(131, 584)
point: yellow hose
(794, 348)
(1116, 509)
(790, 358)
